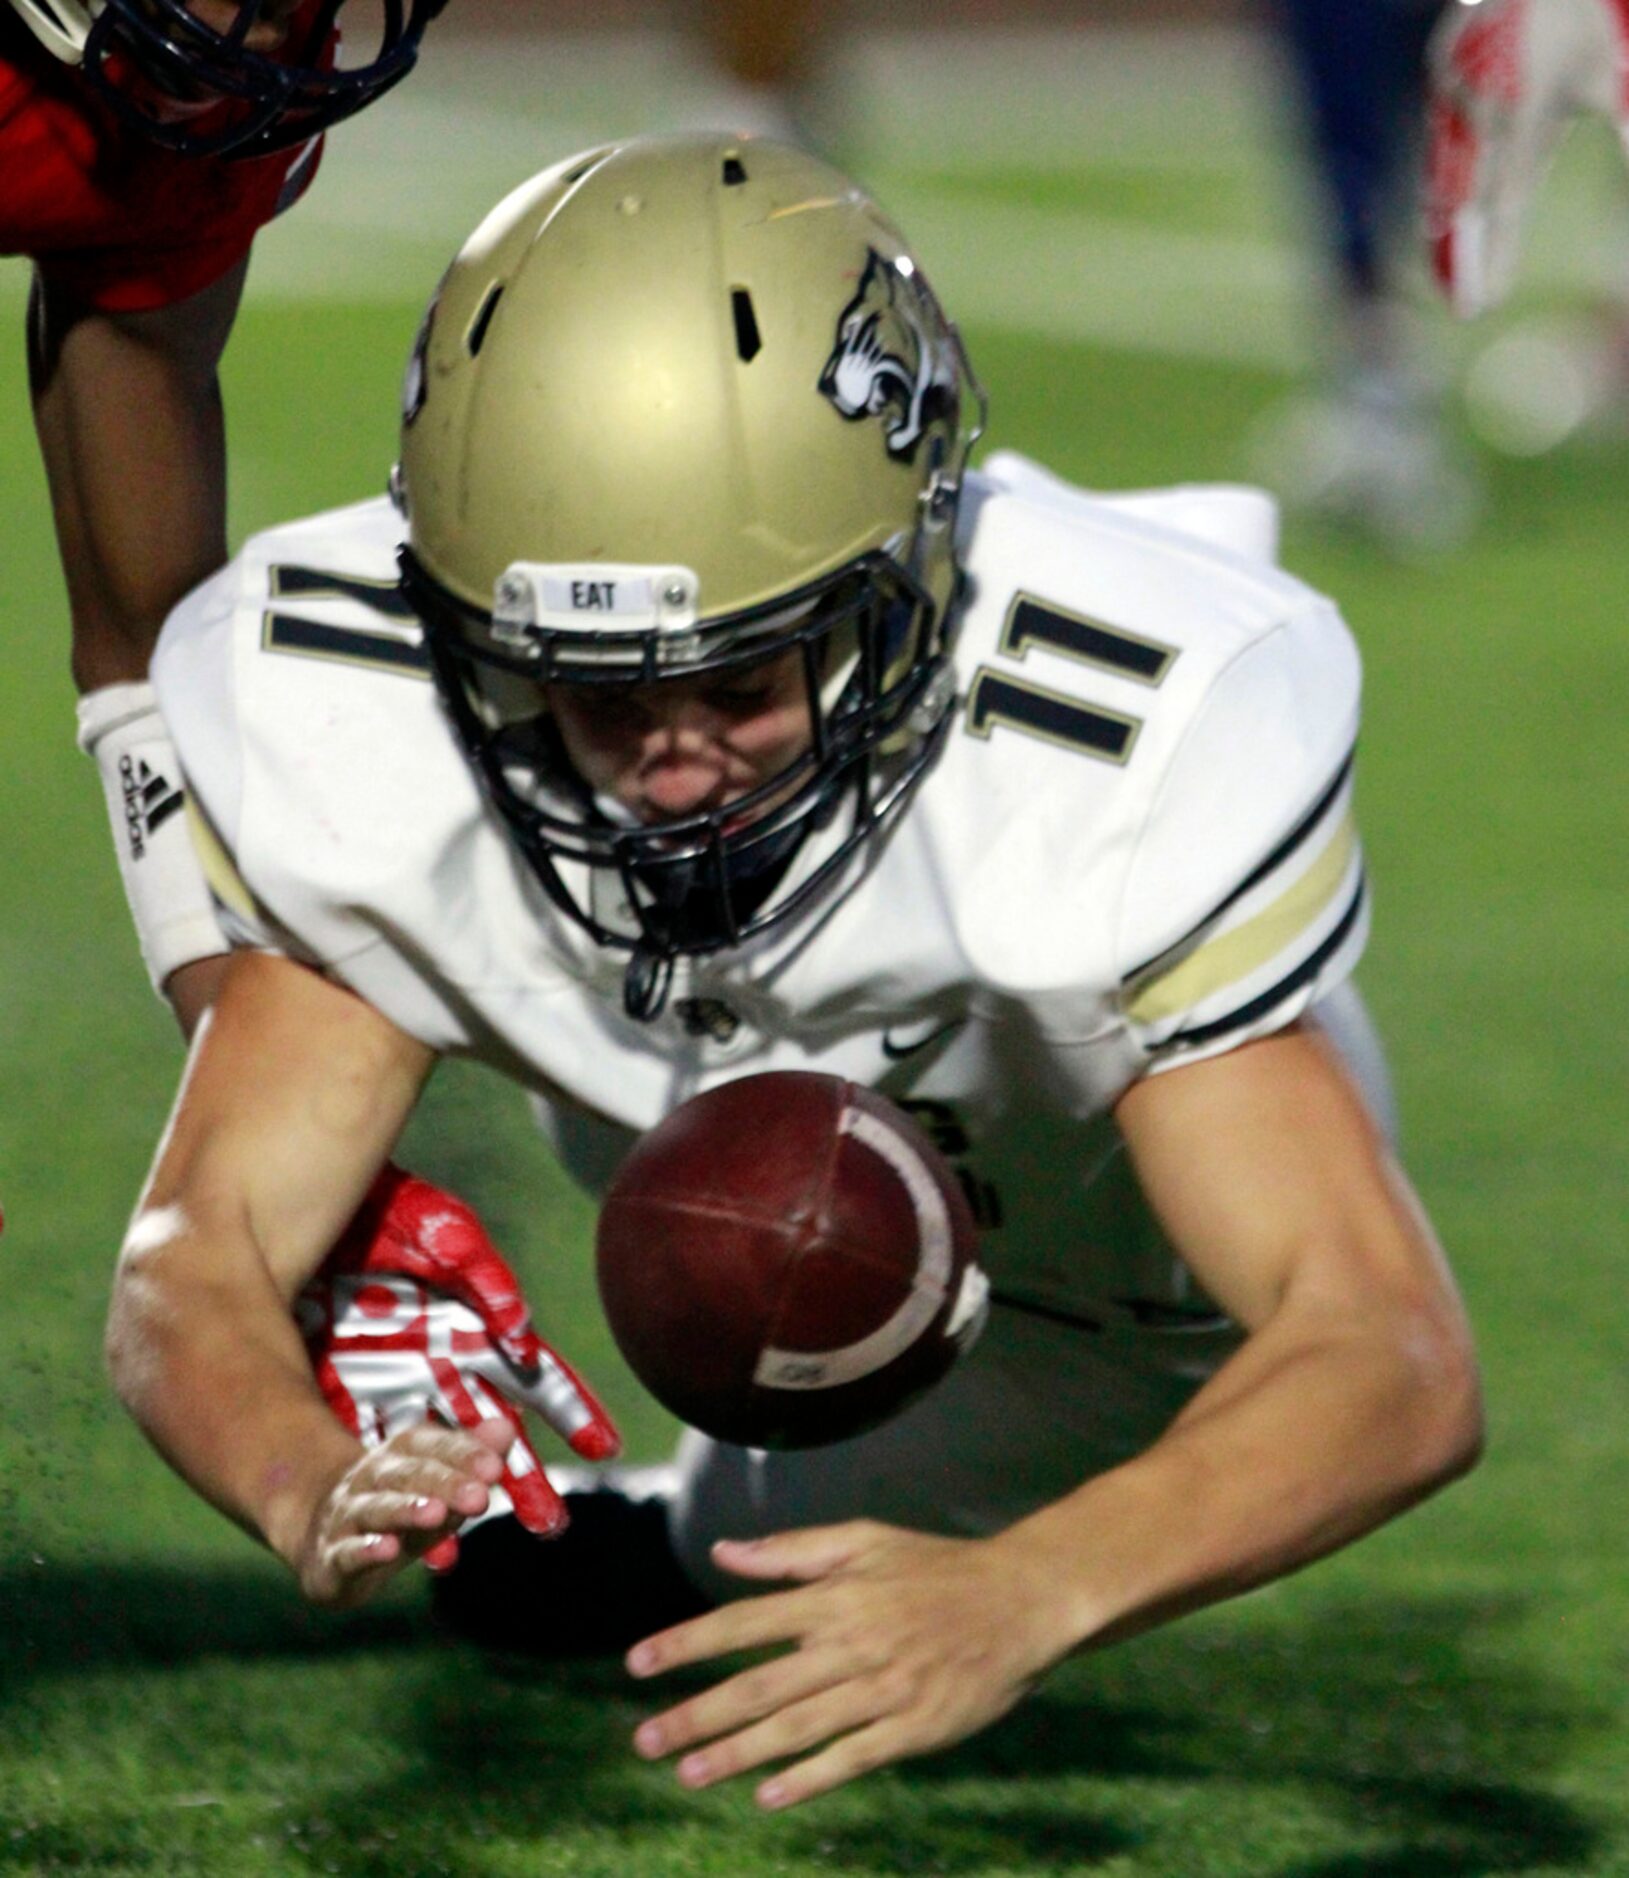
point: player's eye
(742, 700)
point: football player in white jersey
(696, 710)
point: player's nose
(683, 724)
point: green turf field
(1446, 1700)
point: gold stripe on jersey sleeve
(1244, 949)
(220, 870)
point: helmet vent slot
(748, 341)
(483, 319)
(735, 171)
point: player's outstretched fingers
(570, 1407)
(443, 1555)
(477, 1451)
(351, 1559)
(767, 1689)
(834, 1712)
(878, 1745)
(808, 1553)
(341, 1565)
(537, 1506)
(431, 1463)
(778, 1617)
(376, 1518)
(461, 1475)
(410, 1522)
(386, 1510)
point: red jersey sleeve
(122, 224)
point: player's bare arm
(127, 408)
(1354, 1395)
(118, 115)
(128, 411)
(293, 1096)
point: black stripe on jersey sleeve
(378, 596)
(1292, 981)
(1279, 855)
(288, 632)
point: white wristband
(175, 918)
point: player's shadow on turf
(58, 1619)
(547, 1749)
(1382, 1720)
(1378, 1713)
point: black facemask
(700, 883)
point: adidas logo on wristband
(149, 801)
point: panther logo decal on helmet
(892, 358)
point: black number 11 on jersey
(1055, 716)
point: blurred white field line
(406, 182)
(1070, 276)
(402, 185)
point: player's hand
(400, 1501)
(903, 1643)
(416, 1317)
(1506, 76)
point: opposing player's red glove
(1506, 76)
(416, 1316)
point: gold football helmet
(681, 403)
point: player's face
(686, 746)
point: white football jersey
(1135, 850)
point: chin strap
(646, 983)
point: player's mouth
(716, 804)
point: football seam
(820, 1192)
(728, 1212)
(806, 1239)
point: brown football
(787, 1260)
